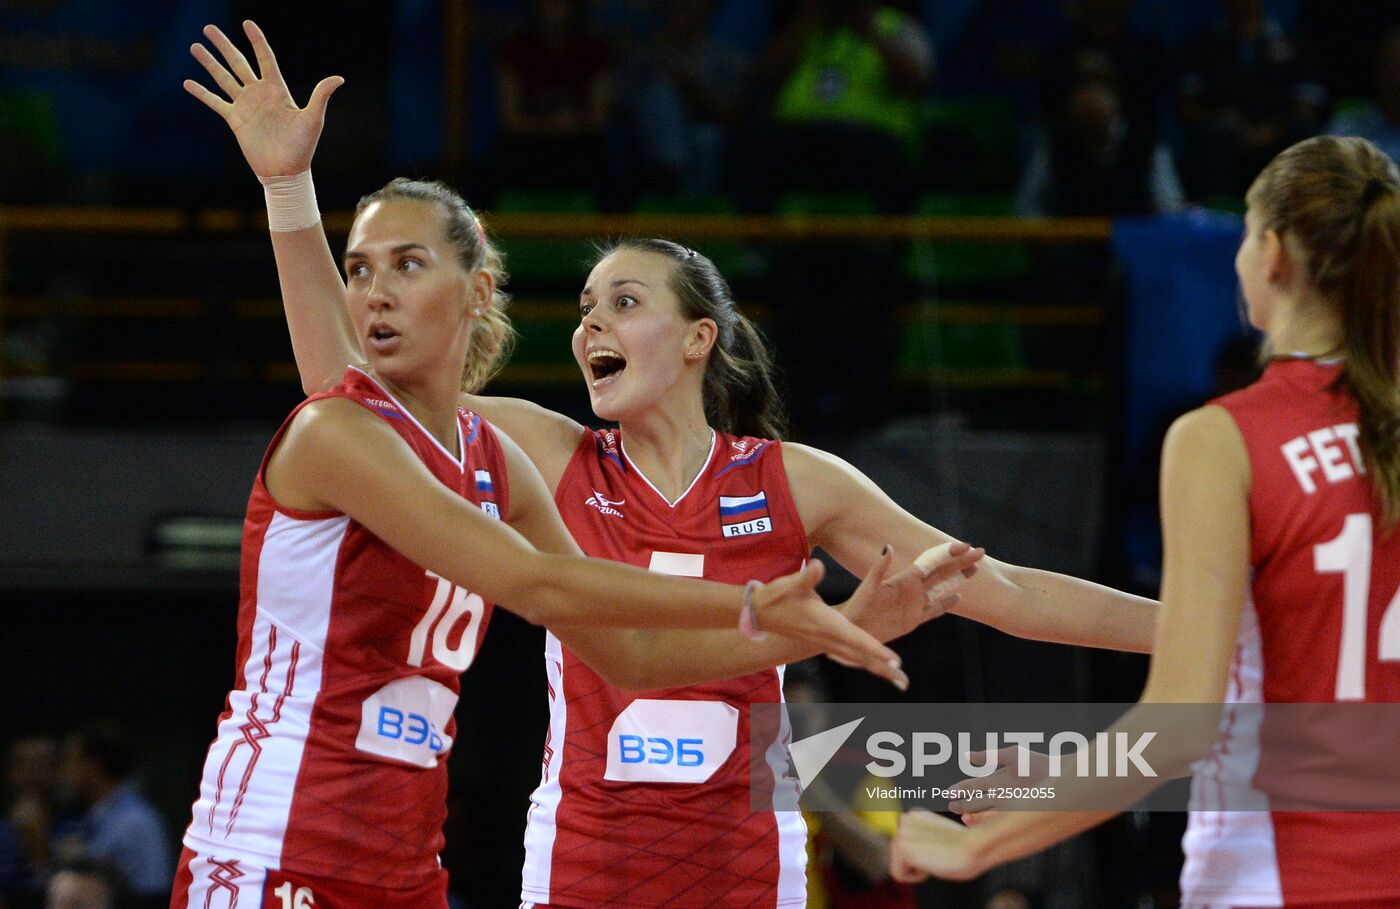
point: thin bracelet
(748, 615)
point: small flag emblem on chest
(740, 516)
(486, 491)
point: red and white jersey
(644, 798)
(1321, 626)
(330, 758)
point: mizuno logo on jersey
(605, 505)
(486, 490)
(741, 516)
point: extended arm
(336, 456)
(850, 517)
(649, 659)
(1205, 522)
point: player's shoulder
(549, 439)
(524, 419)
(1210, 428)
(738, 453)
(1204, 422)
(332, 414)
(1205, 442)
(806, 465)
(328, 428)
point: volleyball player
(1281, 576)
(700, 487)
(384, 522)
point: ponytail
(1371, 320)
(1340, 196)
(741, 396)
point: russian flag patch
(741, 516)
(486, 490)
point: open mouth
(605, 364)
(379, 332)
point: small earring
(692, 354)
(476, 311)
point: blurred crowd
(1079, 107)
(78, 832)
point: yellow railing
(158, 221)
(174, 222)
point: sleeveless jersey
(330, 757)
(1321, 626)
(644, 799)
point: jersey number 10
(1349, 554)
(462, 603)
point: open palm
(277, 137)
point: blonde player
(384, 522)
(696, 483)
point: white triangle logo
(810, 755)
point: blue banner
(1183, 307)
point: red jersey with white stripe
(644, 798)
(1321, 627)
(330, 758)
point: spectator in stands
(32, 774)
(1095, 160)
(848, 78)
(684, 90)
(556, 96)
(1246, 93)
(118, 825)
(84, 885)
(1092, 161)
(1101, 46)
(1378, 118)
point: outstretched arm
(336, 456)
(649, 659)
(1205, 523)
(278, 139)
(850, 517)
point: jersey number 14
(1349, 554)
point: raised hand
(277, 137)
(889, 608)
(790, 606)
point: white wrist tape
(931, 558)
(291, 202)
